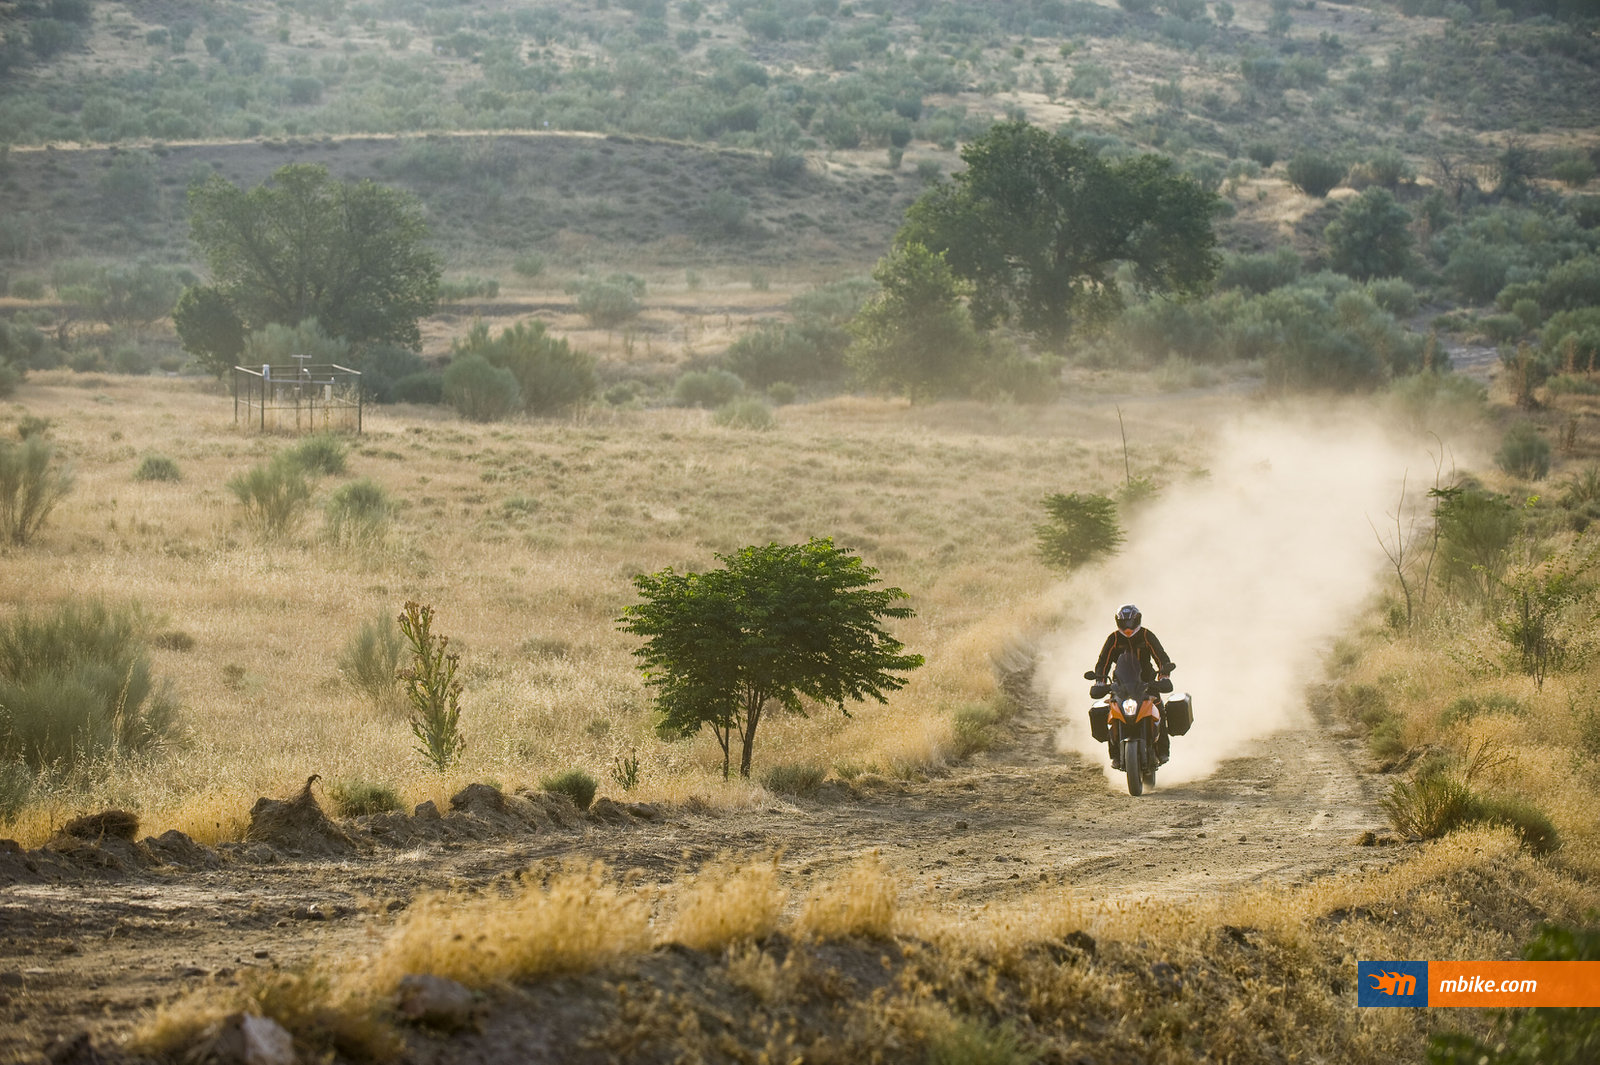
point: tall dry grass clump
(576, 921)
(31, 484)
(862, 901)
(728, 903)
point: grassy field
(524, 537)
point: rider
(1154, 665)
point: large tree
(776, 625)
(916, 336)
(352, 255)
(1040, 224)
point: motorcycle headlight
(1129, 706)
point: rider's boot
(1116, 754)
(1163, 745)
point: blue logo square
(1392, 983)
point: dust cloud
(1245, 576)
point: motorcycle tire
(1132, 763)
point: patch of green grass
(794, 778)
(575, 784)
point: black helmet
(1129, 617)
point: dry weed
(727, 904)
(862, 901)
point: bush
(480, 391)
(1263, 153)
(794, 778)
(274, 497)
(1259, 274)
(425, 388)
(354, 798)
(370, 661)
(611, 302)
(1531, 825)
(575, 784)
(1371, 237)
(1466, 707)
(973, 729)
(31, 485)
(431, 689)
(157, 468)
(1393, 295)
(383, 367)
(358, 513)
(529, 264)
(466, 288)
(1432, 806)
(1314, 174)
(76, 684)
(706, 388)
(316, 456)
(1523, 452)
(1081, 528)
(747, 412)
(550, 375)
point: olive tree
(774, 627)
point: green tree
(916, 335)
(1313, 173)
(209, 328)
(777, 625)
(1080, 529)
(1371, 237)
(352, 255)
(479, 390)
(1039, 224)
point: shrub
(1466, 707)
(157, 468)
(610, 302)
(466, 288)
(1523, 452)
(31, 484)
(1531, 825)
(1080, 529)
(431, 688)
(424, 387)
(480, 391)
(1432, 806)
(794, 778)
(706, 388)
(782, 393)
(370, 661)
(973, 729)
(1371, 237)
(747, 412)
(76, 684)
(274, 497)
(575, 784)
(358, 513)
(353, 798)
(1263, 152)
(1259, 274)
(550, 375)
(625, 771)
(1393, 295)
(1314, 174)
(529, 264)
(316, 456)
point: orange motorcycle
(1130, 717)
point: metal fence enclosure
(297, 399)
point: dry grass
(728, 904)
(940, 499)
(862, 901)
(576, 921)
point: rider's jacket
(1145, 647)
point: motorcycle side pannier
(1099, 726)
(1180, 713)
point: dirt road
(92, 951)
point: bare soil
(94, 933)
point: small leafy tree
(776, 626)
(431, 688)
(1476, 527)
(479, 390)
(916, 336)
(1081, 528)
(1537, 602)
(1371, 237)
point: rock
(426, 811)
(11, 979)
(298, 827)
(245, 1039)
(436, 1002)
(609, 812)
(644, 811)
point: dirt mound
(298, 827)
(102, 854)
(117, 824)
(174, 848)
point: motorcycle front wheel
(1132, 763)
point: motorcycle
(1130, 716)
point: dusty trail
(91, 954)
